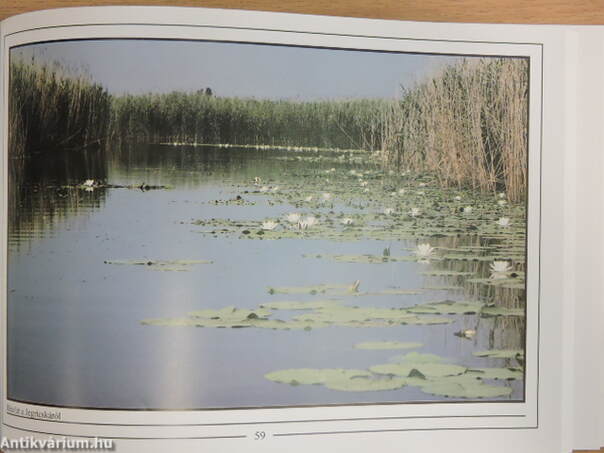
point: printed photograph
(216, 225)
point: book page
(582, 302)
(265, 231)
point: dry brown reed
(468, 125)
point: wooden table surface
(506, 11)
(589, 12)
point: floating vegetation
(313, 376)
(379, 345)
(465, 386)
(237, 201)
(448, 307)
(502, 311)
(363, 259)
(501, 354)
(366, 384)
(425, 369)
(509, 283)
(446, 273)
(161, 265)
(291, 305)
(505, 374)
(389, 292)
(327, 288)
(417, 357)
(428, 372)
(322, 314)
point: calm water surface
(75, 334)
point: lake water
(75, 334)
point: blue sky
(244, 70)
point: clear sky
(245, 70)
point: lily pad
(497, 373)
(502, 311)
(501, 353)
(464, 386)
(389, 292)
(230, 314)
(365, 384)
(313, 289)
(438, 273)
(417, 357)
(314, 376)
(510, 283)
(363, 259)
(448, 307)
(161, 265)
(292, 305)
(428, 370)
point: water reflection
(70, 312)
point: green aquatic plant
(424, 371)
(501, 353)
(448, 307)
(314, 376)
(465, 386)
(161, 265)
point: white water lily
(393, 194)
(499, 269)
(424, 252)
(264, 189)
(364, 183)
(269, 225)
(502, 202)
(353, 172)
(309, 198)
(468, 333)
(401, 191)
(347, 221)
(365, 189)
(504, 222)
(326, 196)
(275, 189)
(294, 217)
(307, 223)
(414, 212)
(388, 211)
(311, 221)
(422, 184)
(458, 198)
(467, 209)
(420, 192)
(257, 180)
(88, 183)
(501, 194)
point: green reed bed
(49, 109)
(201, 118)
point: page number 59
(259, 435)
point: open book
(228, 231)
